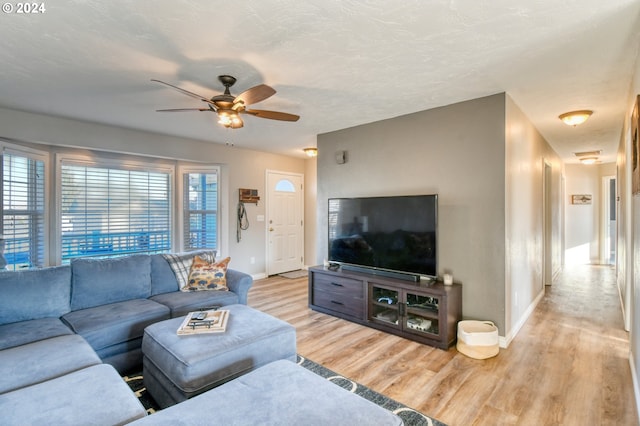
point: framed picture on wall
(581, 199)
(635, 154)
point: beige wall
(310, 212)
(527, 155)
(633, 248)
(241, 168)
(583, 222)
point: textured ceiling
(337, 64)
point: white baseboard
(505, 341)
(259, 276)
(634, 379)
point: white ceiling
(337, 64)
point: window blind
(109, 211)
(200, 213)
(22, 211)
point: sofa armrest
(239, 283)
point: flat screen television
(394, 236)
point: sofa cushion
(94, 395)
(98, 282)
(280, 393)
(163, 276)
(181, 264)
(34, 293)
(21, 333)
(182, 303)
(44, 360)
(108, 325)
(206, 275)
(123, 360)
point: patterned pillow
(181, 264)
(207, 276)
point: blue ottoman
(176, 368)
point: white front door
(285, 228)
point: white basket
(478, 339)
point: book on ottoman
(202, 322)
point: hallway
(581, 352)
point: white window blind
(200, 214)
(22, 210)
(109, 211)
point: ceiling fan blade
(184, 109)
(272, 115)
(186, 92)
(255, 94)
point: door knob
(270, 229)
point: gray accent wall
(486, 162)
(457, 152)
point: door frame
(267, 191)
(547, 223)
(606, 232)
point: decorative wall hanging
(581, 199)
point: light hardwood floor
(568, 364)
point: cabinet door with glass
(405, 310)
(421, 314)
(384, 306)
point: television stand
(383, 273)
(426, 312)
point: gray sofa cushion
(98, 282)
(181, 302)
(92, 396)
(280, 393)
(34, 293)
(163, 278)
(44, 360)
(21, 333)
(115, 323)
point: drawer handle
(337, 284)
(337, 303)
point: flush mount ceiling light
(589, 160)
(574, 118)
(311, 152)
(588, 157)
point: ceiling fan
(229, 107)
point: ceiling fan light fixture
(574, 118)
(229, 118)
(229, 107)
(311, 152)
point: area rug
(295, 274)
(409, 416)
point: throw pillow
(207, 276)
(181, 264)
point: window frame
(6, 147)
(105, 162)
(222, 219)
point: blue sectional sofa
(83, 323)
(67, 333)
